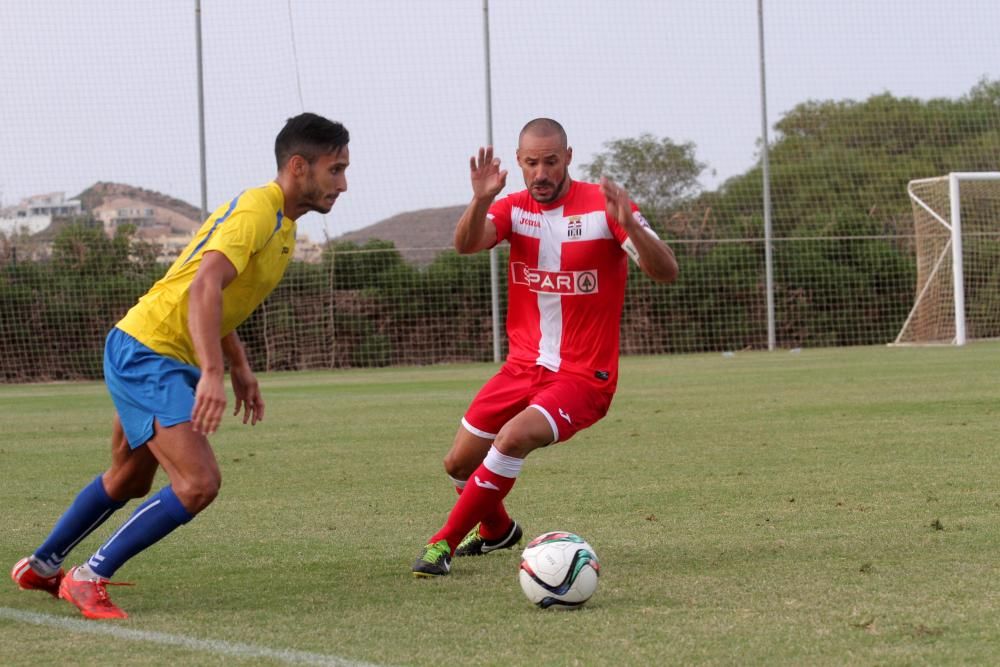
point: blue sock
(152, 521)
(88, 511)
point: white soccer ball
(559, 570)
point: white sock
(84, 573)
(41, 568)
(501, 464)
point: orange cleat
(90, 597)
(29, 580)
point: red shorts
(569, 403)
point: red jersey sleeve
(499, 214)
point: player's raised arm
(655, 257)
(474, 231)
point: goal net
(956, 221)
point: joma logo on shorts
(554, 282)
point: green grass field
(829, 507)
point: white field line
(215, 646)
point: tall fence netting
(100, 185)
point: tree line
(843, 257)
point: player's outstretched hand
(247, 392)
(619, 205)
(209, 404)
(487, 177)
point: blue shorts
(145, 385)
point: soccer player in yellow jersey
(163, 365)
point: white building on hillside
(35, 213)
(112, 218)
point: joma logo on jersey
(574, 227)
(554, 282)
(526, 218)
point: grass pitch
(828, 507)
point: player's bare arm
(474, 231)
(246, 389)
(656, 259)
(205, 324)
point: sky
(108, 91)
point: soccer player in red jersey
(569, 243)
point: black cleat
(475, 545)
(435, 561)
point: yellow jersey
(253, 233)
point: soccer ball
(559, 570)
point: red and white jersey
(566, 281)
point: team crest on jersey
(554, 282)
(574, 227)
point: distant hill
(180, 216)
(97, 193)
(418, 235)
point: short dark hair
(309, 135)
(544, 127)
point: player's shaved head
(544, 158)
(544, 127)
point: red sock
(483, 494)
(494, 523)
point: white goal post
(941, 236)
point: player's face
(325, 179)
(545, 164)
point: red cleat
(90, 597)
(29, 580)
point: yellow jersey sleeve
(252, 232)
(246, 230)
